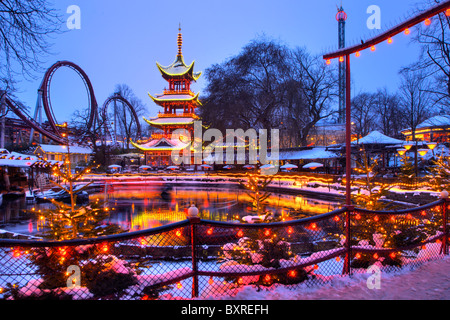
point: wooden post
(194, 222)
(348, 133)
(348, 242)
(444, 196)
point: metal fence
(204, 259)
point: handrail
(81, 242)
(275, 224)
(402, 211)
(196, 244)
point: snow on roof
(17, 163)
(163, 144)
(437, 121)
(165, 121)
(47, 148)
(376, 137)
(433, 122)
(311, 154)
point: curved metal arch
(32, 123)
(45, 89)
(119, 97)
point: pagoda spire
(180, 42)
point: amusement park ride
(97, 118)
(344, 53)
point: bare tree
(415, 98)
(26, 27)
(246, 91)
(388, 111)
(125, 119)
(363, 113)
(317, 84)
(435, 56)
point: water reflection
(144, 207)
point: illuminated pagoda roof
(168, 121)
(163, 144)
(178, 68)
(182, 98)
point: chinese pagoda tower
(179, 104)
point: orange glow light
(390, 40)
(240, 233)
(357, 54)
(447, 12)
(407, 31)
(178, 233)
(210, 231)
(341, 59)
(372, 48)
(427, 22)
(328, 62)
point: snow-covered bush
(254, 254)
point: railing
(198, 258)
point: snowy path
(431, 281)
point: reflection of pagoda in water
(179, 104)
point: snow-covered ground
(429, 281)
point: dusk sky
(120, 42)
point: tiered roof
(171, 100)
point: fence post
(444, 196)
(194, 221)
(348, 244)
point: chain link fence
(206, 259)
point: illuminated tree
(370, 192)
(255, 186)
(407, 170)
(440, 173)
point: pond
(144, 207)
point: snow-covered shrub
(253, 254)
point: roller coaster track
(45, 89)
(52, 130)
(33, 123)
(118, 97)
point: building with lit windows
(434, 129)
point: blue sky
(120, 42)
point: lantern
(423, 152)
(193, 211)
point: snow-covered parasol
(313, 165)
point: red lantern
(292, 273)
(341, 16)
